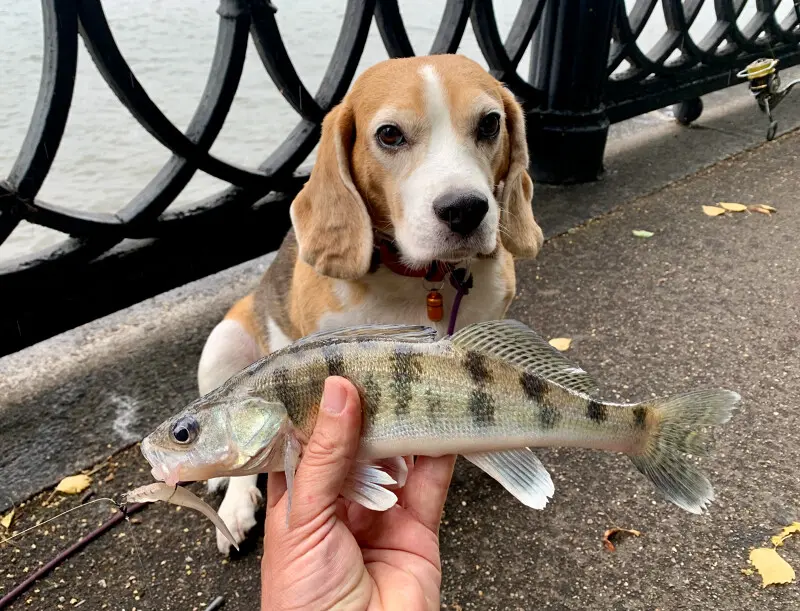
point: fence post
(569, 50)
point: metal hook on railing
(765, 85)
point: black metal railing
(574, 91)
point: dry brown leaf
(713, 210)
(732, 207)
(613, 532)
(74, 484)
(772, 568)
(6, 520)
(788, 531)
(561, 343)
(762, 209)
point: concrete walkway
(704, 302)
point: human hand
(336, 554)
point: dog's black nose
(461, 212)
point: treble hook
(765, 85)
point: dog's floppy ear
(519, 233)
(330, 219)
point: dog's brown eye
(390, 136)
(489, 126)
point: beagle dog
(421, 169)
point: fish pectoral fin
(520, 472)
(521, 346)
(365, 485)
(396, 468)
(291, 458)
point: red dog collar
(387, 255)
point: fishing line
(124, 512)
(34, 527)
(124, 509)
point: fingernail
(334, 397)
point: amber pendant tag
(435, 305)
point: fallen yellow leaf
(788, 531)
(561, 343)
(768, 208)
(748, 571)
(772, 568)
(713, 210)
(6, 520)
(760, 210)
(733, 207)
(74, 484)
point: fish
(177, 495)
(490, 392)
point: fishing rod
(765, 85)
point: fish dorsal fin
(520, 345)
(396, 333)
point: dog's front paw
(217, 483)
(238, 510)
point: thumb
(330, 452)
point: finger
(276, 488)
(426, 489)
(329, 455)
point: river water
(105, 157)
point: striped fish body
(490, 393)
(434, 398)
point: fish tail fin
(677, 427)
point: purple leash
(461, 280)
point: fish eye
(185, 430)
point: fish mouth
(161, 469)
(169, 467)
(175, 467)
